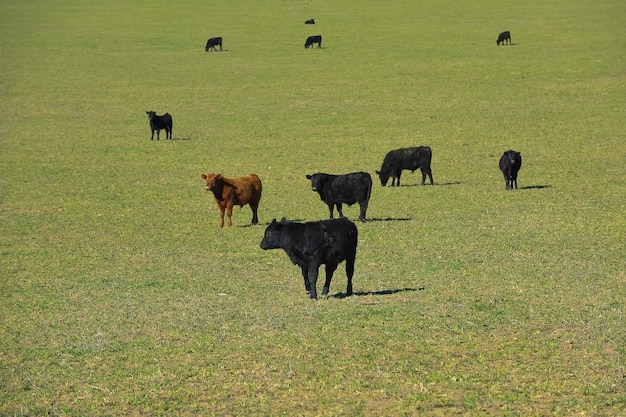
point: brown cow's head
(212, 180)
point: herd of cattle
(330, 242)
(326, 242)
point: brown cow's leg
(221, 216)
(229, 213)
(255, 217)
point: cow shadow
(437, 184)
(187, 138)
(389, 219)
(535, 187)
(375, 293)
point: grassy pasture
(119, 295)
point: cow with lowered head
(311, 40)
(406, 158)
(230, 192)
(335, 190)
(157, 123)
(503, 38)
(212, 43)
(312, 244)
(510, 164)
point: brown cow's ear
(203, 176)
(218, 177)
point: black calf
(312, 40)
(504, 37)
(510, 164)
(212, 43)
(160, 122)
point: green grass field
(119, 295)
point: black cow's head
(151, 114)
(383, 176)
(272, 237)
(317, 181)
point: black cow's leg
(152, 137)
(330, 270)
(349, 273)
(331, 209)
(313, 280)
(339, 210)
(423, 176)
(363, 210)
(305, 275)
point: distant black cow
(504, 37)
(312, 244)
(510, 164)
(313, 39)
(160, 122)
(309, 22)
(335, 190)
(212, 43)
(406, 158)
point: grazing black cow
(406, 158)
(309, 22)
(160, 122)
(504, 37)
(313, 39)
(510, 164)
(212, 43)
(312, 244)
(336, 190)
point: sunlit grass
(121, 296)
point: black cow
(312, 244)
(160, 122)
(406, 158)
(309, 22)
(313, 39)
(504, 37)
(212, 43)
(510, 164)
(336, 190)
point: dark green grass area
(119, 295)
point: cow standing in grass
(312, 244)
(230, 192)
(503, 38)
(311, 40)
(510, 164)
(212, 43)
(406, 158)
(157, 123)
(335, 190)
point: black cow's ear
(273, 221)
(283, 220)
(377, 172)
(308, 177)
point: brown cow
(231, 192)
